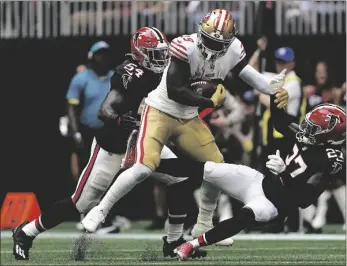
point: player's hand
(275, 163)
(78, 140)
(218, 97)
(127, 121)
(281, 98)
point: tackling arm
(177, 79)
(111, 106)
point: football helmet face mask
(149, 46)
(325, 124)
(216, 33)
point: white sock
(340, 197)
(195, 243)
(125, 182)
(31, 228)
(174, 232)
(209, 195)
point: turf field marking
(254, 237)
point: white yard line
(156, 236)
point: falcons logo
(332, 121)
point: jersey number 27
(301, 166)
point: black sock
(230, 227)
(59, 212)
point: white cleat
(93, 220)
(199, 229)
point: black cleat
(21, 242)
(168, 249)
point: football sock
(225, 229)
(209, 195)
(340, 197)
(58, 213)
(178, 195)
(123, 184)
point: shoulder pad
(336, 160)
(238, 50)
(182, 47)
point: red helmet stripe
(221, 19)
(225, 20)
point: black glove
(127, 121)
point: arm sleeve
(294, 93)
(255, 79)
(75, 90)
(280, 119)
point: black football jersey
(310, 169)
(134, 82)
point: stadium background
(39, 55)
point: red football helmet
(325, 124)
(149, 46)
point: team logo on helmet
(332, 120)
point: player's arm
(114, 106)
(178, 89)
(282, 121)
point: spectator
(87, 90)
(321, 91)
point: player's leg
(94, 180)
(321, 211)
(197, 141)
(154, 131)
(244, 184)
(340, 197)
(178, 194)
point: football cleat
(168, 248)
(21, 242)
(93, 220)
(184, 251)
(200, 229)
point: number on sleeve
(130, 68)
(335, 154)
(188, 38)
(301, 165)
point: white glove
(277, 81)
(275, 163)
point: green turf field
(138, 252)
(58, 248)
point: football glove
(275, 164)
(219, 96)
(276, 84)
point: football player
(131, 82)
(316, 160)
(171, 111)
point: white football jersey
(185, 48)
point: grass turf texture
(148, 252)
